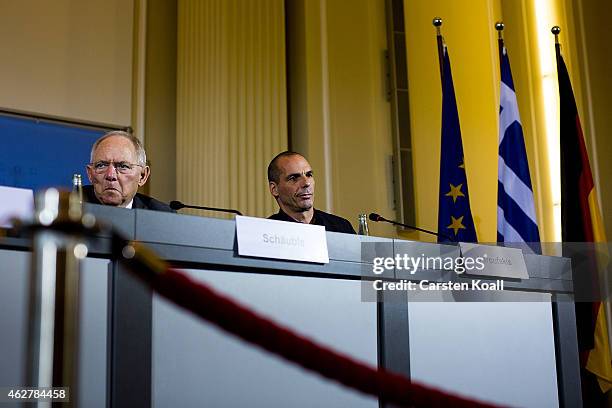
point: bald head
(273, 168)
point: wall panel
(231, 101)
(66, 58)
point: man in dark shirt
(118, 167)
(292, 183)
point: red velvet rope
(242, 322)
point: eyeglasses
(121, 167)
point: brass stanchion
(53, 297)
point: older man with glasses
(118, 167)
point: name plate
(15, 203)
(263, 238)
(499, 262)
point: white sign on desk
(499, 262)
(293, 241)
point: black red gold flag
(582, 222)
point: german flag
(581, 222)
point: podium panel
(196, 364)
(503, 352)
(93, 330)
(13, 316)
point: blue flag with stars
(454, 214)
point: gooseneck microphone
(177, 205)
(379, 218)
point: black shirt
(332, 223)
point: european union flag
(454, 213)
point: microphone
(379, 218)
(177, 205)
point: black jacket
(140, 201)
(332, 223)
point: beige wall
(231, 101)
(308, 90)
(360, 118)
(160, 97)
(340, 118)
(66, 58)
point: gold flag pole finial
(437, 22)
(556, 30)
(499, 26)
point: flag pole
(499, 26)
(556, 30)
(437, 22)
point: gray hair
(140, 151)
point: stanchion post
(53, 296)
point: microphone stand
(377, 218)
(177, 205)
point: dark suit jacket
(140, 201)
(332, 223)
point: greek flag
(516, 219)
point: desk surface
(207, 244)
(191, 241)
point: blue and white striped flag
(516, 218)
